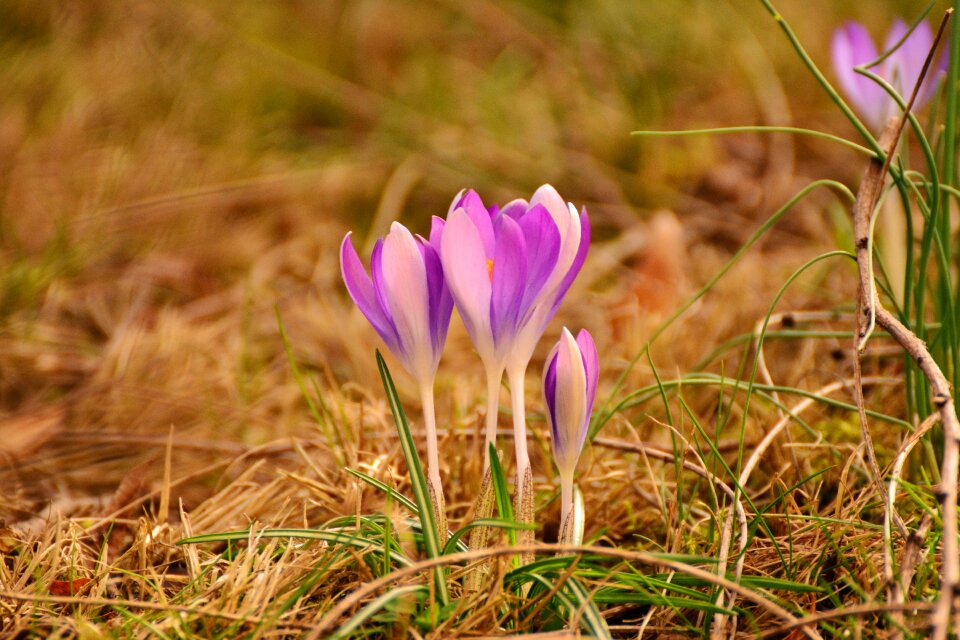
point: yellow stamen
(490, 269)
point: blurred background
(172, 174)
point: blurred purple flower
(852, 46)
(407, 300)
(569, 387)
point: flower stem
(566, 507)
(430, 425)
(493, 408)
(516, 375)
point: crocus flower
(408, 303)
(852, 46)
(508, 269)
(569, 387)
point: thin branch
(871, 312)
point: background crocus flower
(407, 301)
(569, 387)
(852, 46)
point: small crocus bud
(569, 387)
(407, 301)
(852, 46)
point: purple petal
(471, 203)
(906, 63)
(508, 276)
(591, 366)
(550, 391)
(549, 198)
(436, 232)
(362, 291)
(852, 46)
(515, 208)
(465, 268)
(543, 248)
(441, 303)
(577, 261)
(408, 299)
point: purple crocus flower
(569, 386)
(408, 303)
(852, 46)
(508, 269)
(407, 300)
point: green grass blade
(418, 482)
(454, 542)
(371, 609)
(390, 491)
(504, 506)
(592, 621)
(305, 534)
(757, 129)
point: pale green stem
(430, 426)
(566, 506)
(516, 375)
(493, 408)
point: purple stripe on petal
(362, 291)
(376, 273)
(591, 366)
(543, 248)
(441, 304)
(550, 391)
(508, 278)
(577, 262)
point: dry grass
(171, 174)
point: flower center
(490, 269)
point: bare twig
(899, 588)
(871, 312)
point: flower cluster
(507, 269)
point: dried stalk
(897, 589)
(871, 312)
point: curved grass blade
(418, 482)
(390, 491)
(306, 534)
(592, 621)
(346, 630)
(496, 523)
